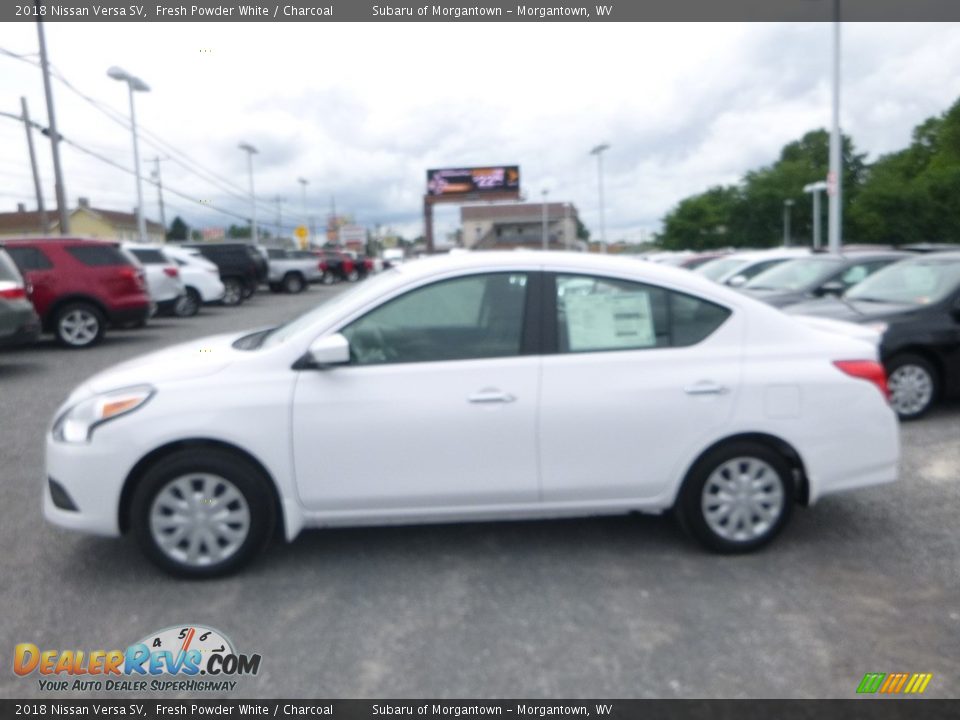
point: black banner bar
(476, 10)
(863, 709)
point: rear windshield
(149, 256)
(8, 271)
(98, 255)
(29, 258)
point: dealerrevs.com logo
(182, 658)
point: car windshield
(720, 268)
(330, 308)
(913, 282)
(795, 274)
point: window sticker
(601, 322)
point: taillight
(12, 291)
(134, 275)
(868, 370)
(171, 272)
(323, 265)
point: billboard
(454, 182)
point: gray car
(19, 324)
(815, 276)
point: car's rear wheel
(737, 498)
(293, 283)
(188, 304)
(202, 513)
(353, 276)
(79, 325)
(328, 277)
(233, 291)
(913, 384)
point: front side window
(480, 316)
(29, 258)
(98, 255)
(599, 314)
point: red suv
(81, 286)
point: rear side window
(98, 255)
(598, 314)
(149, 256)
(275, 254)
(8, 270)
(30, 258)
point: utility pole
(44, 224)
(62, 210)
(159, 179)
(834, 179)
(787, 207)
(598, 151)
(250, 150)
(279, 201)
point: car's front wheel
(737, 498)
(293, 283)
(913, 385)
(202, 513)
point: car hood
(856, 311)
(187, 361)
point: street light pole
(543, 231)
(134, 84)
(159, 179)
(835, 191)
(787, 207)
(815, 189)
(598, 151)
(251, 151)
(62, 210)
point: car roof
(66, 240)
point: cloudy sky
(362, 110)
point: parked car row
(75, 288)
(911, 298)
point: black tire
(914, 385)
(766, 465)
(79, 325)
(188, 304)
(328, 278)
(234, 292)
(293, 283)
(182, 467)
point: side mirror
(737, 281)
(329, 350)
(834, 287)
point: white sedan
(200, 277)
(471, 387)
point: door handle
(490, 396)
(706, 388)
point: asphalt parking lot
(617, 607)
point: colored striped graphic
(894, 683)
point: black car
(811, 277)
(916, 305)
(242, 267)
(19, 324)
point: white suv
(201, 278)
(163, 276)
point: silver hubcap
(742, 499)
(199, 519)
(233, 293)
(186, 304)
(911, 389)
(79, 327)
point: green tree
(702, 221)
(178, 230)
(239, 232)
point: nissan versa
(499, 385)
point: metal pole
(163, 216)
(787, 207)
(141, 223)
(250, 150)
(544, 239)
(62, 209)
(835, 212)
(603, 222)
(44, 224)
(816, 219)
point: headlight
(880, 327)
(77, 424)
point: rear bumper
(25, 330)
(134, 314)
